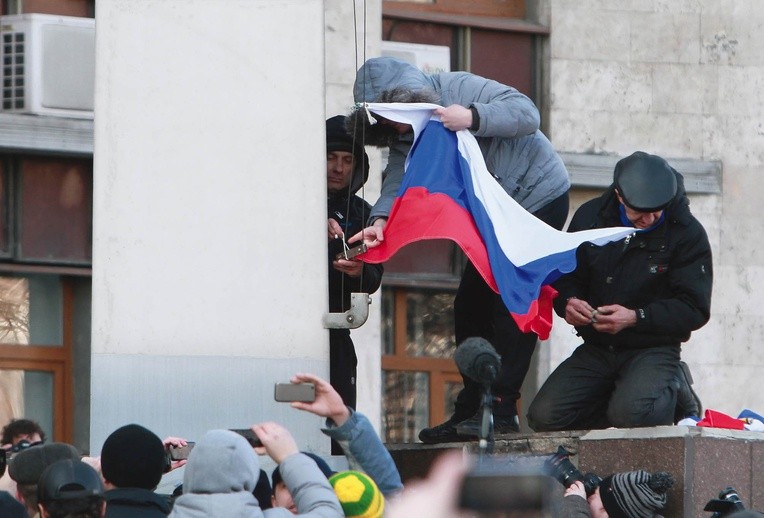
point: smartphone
(528, 494)
(181, 452)
(288, 392)
(352, 252)
(249, 435)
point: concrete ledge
(414, 460)
(590, 170)
(703, 461)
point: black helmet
(645, 182)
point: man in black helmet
(633, 302)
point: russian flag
(448, 193)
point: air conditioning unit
(48, 65)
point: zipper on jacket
(626, 241)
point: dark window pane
(388, 317)
(404, 405)
(430, 324)
(433, 257)
(506, 57)
(55, 212)
(4, 212)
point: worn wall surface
(209, 269)
(682, 79)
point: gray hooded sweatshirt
(221, 474)
(518, 155)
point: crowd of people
(222, 475)
(633, 303)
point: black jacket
(351, 215)
(127, 502)
(665, 274)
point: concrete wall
(209, 274)
(682, 79)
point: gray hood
(387, 80)
(380, 74)
(220, 476)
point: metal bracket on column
(354, 317)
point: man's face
(283, 498)
(596, 509)
(640, 219)
(31, 437)
(400, 127)
(339, 170)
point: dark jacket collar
(136, 497)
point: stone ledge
(703, 461)
(590, 170)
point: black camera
(7, 455)
(727, 503)
(561, 468)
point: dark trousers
(479, 311)
(342, 365)
(599, 387)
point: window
(82, 8)
(45, 257)
(420, 379)
(37, 350)
(48, 207)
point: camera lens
(562, 469)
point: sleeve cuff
(475, 118)
(641, 316)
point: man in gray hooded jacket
(506, 126)
(223, 469)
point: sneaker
(444, 432)
(687, 401)
(502, 424)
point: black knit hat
(647, 183)
(636, 494)
(321, 463)
(67, 480)
(337, 137)
(27, 466)
(133, 456)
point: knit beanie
(636, 494)
(133, 456)
(358, 494)
(337, 137)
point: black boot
(444, 432)
(687, 401)
(501, 425)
